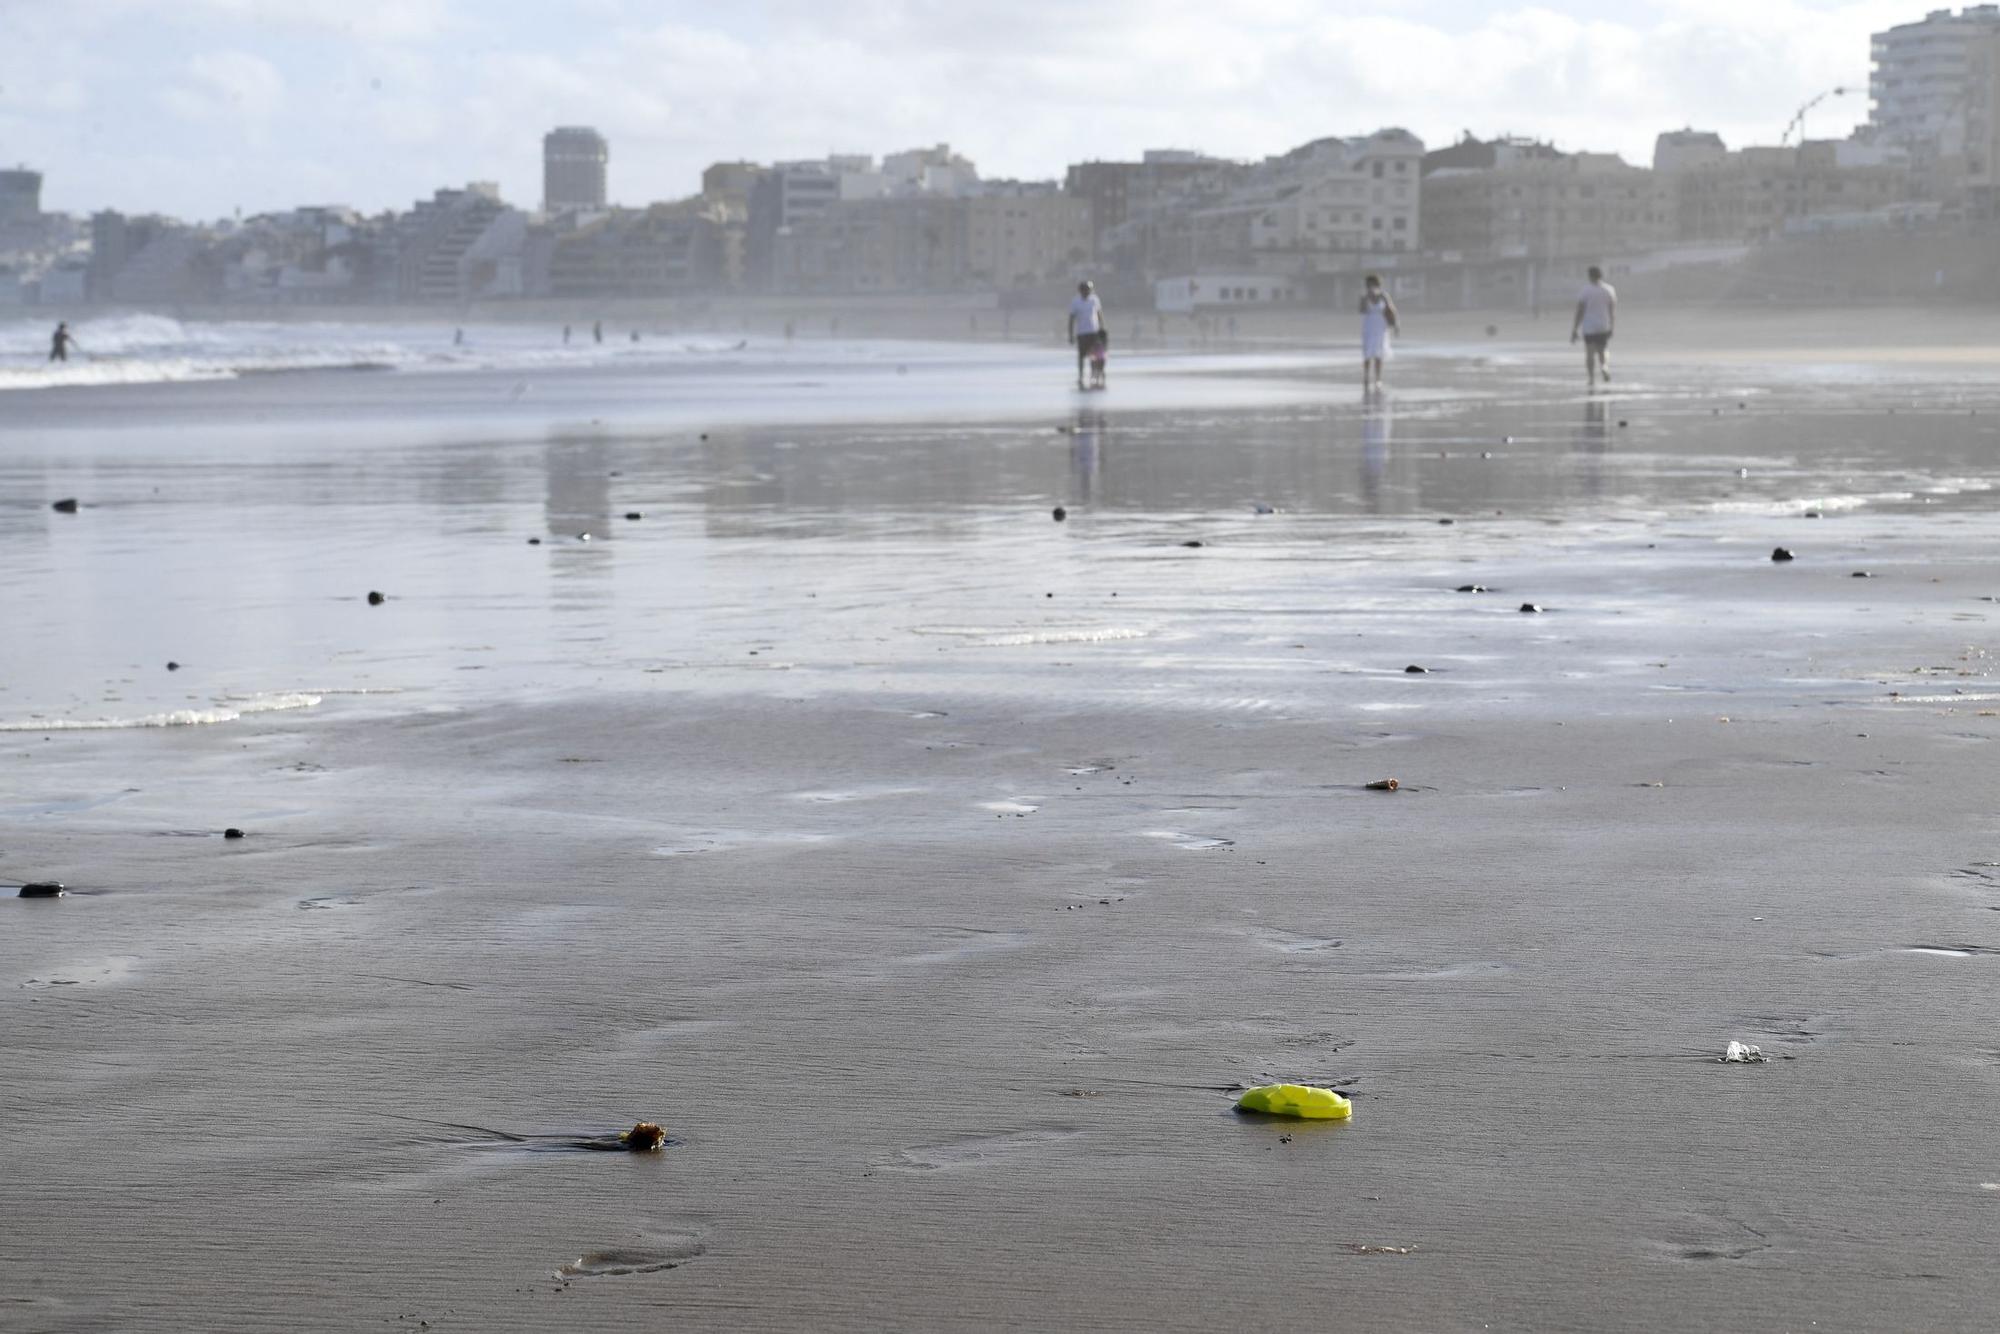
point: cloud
(398, 97)
(226, 84)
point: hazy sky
(198, 107)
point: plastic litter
(1742, 1053)
(1384, 785)
(1301, 1100)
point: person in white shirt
(1087, 332)
(1596, 320)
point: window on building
(1402, 166)
(1402, 224)
(1375, 223)
(1377, 172)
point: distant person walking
(1086, 332)
(1596, 320)
(565, 335)
(60, 342)
(597, 330)
(1378, 321)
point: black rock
(1812, 514)
(1058, 514)
(48, 889)
(65, 506)
(534, 541)
(634, 514)
(1861, 574)
(1780, 553)
(232, 832)
(1472, 588)
(173, 666)
(1193, 542)
(375, 599)
(1415, 670)
(704, 435)
(1447, 522)
(1529, 606)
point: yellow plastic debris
(1301, 1100)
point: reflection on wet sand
(1086, 455)
(1377, 423)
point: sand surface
(933, 870)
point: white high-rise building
(1925, 78)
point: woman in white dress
(1378, 321)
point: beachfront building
(662, 250)
(1534, 203)
(784, 198)
(1020, 234)
(1922, 75)
(1982, 127)
(863, 246)
(1754, 194)
(1681, 150)
(433, 239)
(574, 159)
(1329, 206)
(1121, 192)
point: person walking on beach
(1596, 320)
(1378, 321)
(60, 342)
(1086, 331)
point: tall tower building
(1926, 78)
(573, 161)
(20, 197)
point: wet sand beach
(934, 870)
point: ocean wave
(227, 712)
(141, 348)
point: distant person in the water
(458, 338)
(1596, 320)
(1086, 331)
(565, 335)
(597, 330)
(635, 335)
(1378, 321)
(60, 342)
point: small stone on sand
(634, 514)
(1530, 607)
(1781, 553)
(1058, 514)
(534, 541)
(232, 832)
(1472, 588)
(375, 599)
(1419, 671)
(1192, 542)
(48, 889)
(1861, 574)
(173, 666)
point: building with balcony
(574, 159)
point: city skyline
(259, 105)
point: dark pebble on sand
(1262, 509)
(1861, 574)
(1472, 588)
(232, 832)
(1530, 607)
(1415, 670)
(1447, 522)
(1812, 514)
(634, 514)
(64, 506)
(1781, 553)
(375, 599)
(583, 537)
(1193, 542)
(50, 889)
(534, 541)
(1058, 514)
(173, 666)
